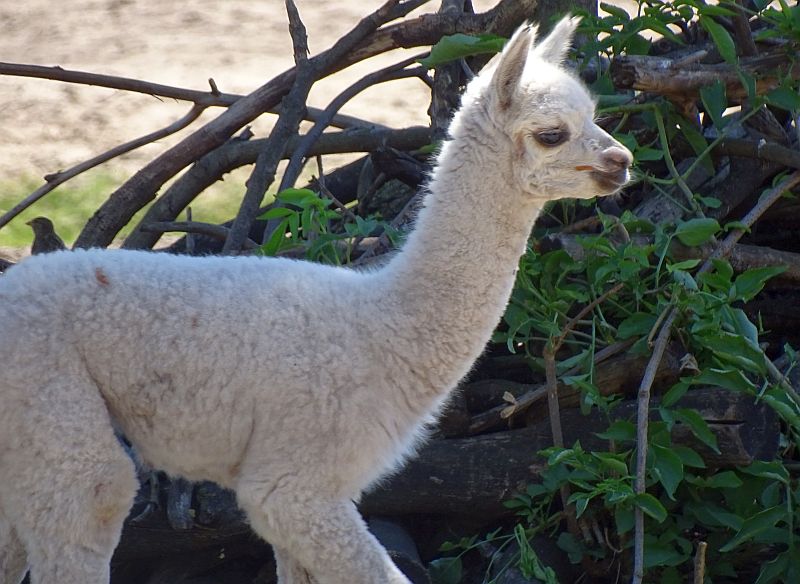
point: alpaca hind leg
(327, 538)
(13, 558)
(67, 484)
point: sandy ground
(46, 126)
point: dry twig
(700, 563)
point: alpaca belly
(182, 439)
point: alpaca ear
(554, 47)
(510, 65)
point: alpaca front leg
(327, 538)
(289, 570)
(13, 558)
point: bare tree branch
(208, 229)
(237, 153)
(390, 73)
(204, 98)
(642, 423)
(761, 150)
(765, 202)
(141, 188)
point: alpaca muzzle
(612, 173)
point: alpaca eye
(551, 137)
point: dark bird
(45, 238)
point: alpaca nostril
(617, 158)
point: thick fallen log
(683, 81)
(458, 477)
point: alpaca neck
(453, 277)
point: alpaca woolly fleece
(296, 385)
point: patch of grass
(72, 204)
(69, 206)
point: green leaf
(774, 471)
(772, 571)
(697, 141)
(784, 97)
(748, 81)
(685, 279)
(722, 39)
(689, 457)
(572, 545)
(650, 506)
(697, 231)
(299, 197)
(774, 399)
(737, 350)
(457, 46)
(637, 324)
(731, 379)
(724, 518)
(713, 10)
(709, 513)
(715, 102)
(698, 426)
(751, 282)
(771, 495)
(710, 202)
(668, 468)
(676, 392)
(737, 320)
(273, 244)
(624, 518)
(656, 25)
(661, 554)
(646, 154)
(628, 140)
(446, 570)
(620, 430)
(724, 480)
(755, 525)
(612, 462)
(684, 265)
(276, 212)
(615, 11)
(581, 502)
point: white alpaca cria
(296, 385)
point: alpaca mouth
(610, 181)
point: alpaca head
(548, 115)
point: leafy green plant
(725, 346)
(308, 223)
(752, 509)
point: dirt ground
(46, 125)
